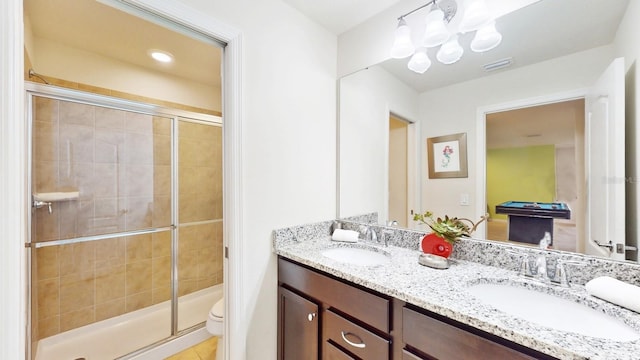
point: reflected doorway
(401, 171)
(534, 154)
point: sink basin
(357, 256)
(553, 312)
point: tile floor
(205, 350)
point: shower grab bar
(82, 239)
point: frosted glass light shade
(402, 45)
(419, 61)
(450, 52)
(487, 38)
(436, 32)
(476, 15)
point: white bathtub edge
(174, 346)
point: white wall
(453, 109)
(288, 149)
(369, 42)
(628, 46)
(366, 98)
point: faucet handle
(385, 236)
(524, 262)
(561, 271)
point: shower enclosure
(126, 223)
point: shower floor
(118, 336)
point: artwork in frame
(447, 156)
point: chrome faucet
(541, 259)
(368, 233)
(541, 268)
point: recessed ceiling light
(161, 56)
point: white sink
(357, 256)
(553, 312)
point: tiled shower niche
(119, 163)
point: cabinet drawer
(361, 304)
(333, 353)
(355, 339)
(443, 341)
(409, 356)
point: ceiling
(536, 125)
(339, 16)
(101, 29)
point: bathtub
(124, 334)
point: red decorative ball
(434, 244)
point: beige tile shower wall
(199, 257)
(200, 172)
(119, 161)
(82, 283)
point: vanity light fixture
(161, 56)
(442, 29)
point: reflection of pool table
(528, 221)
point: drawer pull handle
(361, 345)
(311, 316)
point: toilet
(215, 326)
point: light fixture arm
(416, 9)
(449, 12)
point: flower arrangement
(450, 229)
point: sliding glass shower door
(106, 243)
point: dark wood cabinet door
(298, 329)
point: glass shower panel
(78, 285)
(102, 170)
(200, 249)
(101, 176)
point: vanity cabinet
(351, 322)
(298, 324)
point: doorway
(401, 171)
(398, 163)
(534, 154)
(231, 129)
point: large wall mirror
(538, 108)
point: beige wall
(120, 163)
(64, 62)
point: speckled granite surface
(444, 291)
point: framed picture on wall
(447, 156)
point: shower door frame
(175, 116)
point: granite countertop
(444, 292)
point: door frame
(481, 147)
(13, 159)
